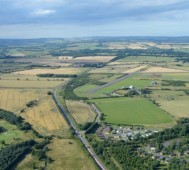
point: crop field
(163, 70)
(46, 118)
(15, 99)
(113, 69)
(134, 111)
(36, 84)
(50, 71)
(135, 69)
(95, 58)
(80, 111)
(146, 59)
(68, 154)
(174, 102)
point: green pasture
(132, 111)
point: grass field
(28, 162)
(69, 155)
(135, 111)
(146, 59)
(83, 91)
(15, 99)
(80, 111)
(174, 102)
(46, 118)
(13, 134)
(50, 71)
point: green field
(13, 134)
(83, 91)
(146, 59)
(135, 111)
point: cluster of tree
(41, 149)
(82, 52)
(74, 83)
(85, 126)
(92, 128)
(125, 154)
(11, 154)
(2, 129)
(187, 92)
(96, 65)
(58, 75)
(178, 164)
(31, 103)
(15, 120)
(179, 130)
(173, 83)
(131, 93)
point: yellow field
(113, 69)
(46, 117)
(96, 58)
(15, 99)
(163, 70)
(136, 69)
(68, 155)
(80, 111)
(50, 71)
(29, 84)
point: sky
(85, 18)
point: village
(164, 154)
(123, 132)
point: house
(131, 87)
(154, 83)
(155, 156)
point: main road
(78, 133)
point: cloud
(42, 12)
(95, 13)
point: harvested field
(69, 155)
(50, 71)
(135, 69)
(36, 84)
(80, 111)
(15, 99)
(174, 102)
(46, 118)
(113, 69)
(163, 70)
(95, 58)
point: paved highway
(79, 134)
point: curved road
(79, 134)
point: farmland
(46, 118)
(174, 102)
(37, 84)
(84, 90)
(81, 112)
(68, 154)
(50, 71)
(124, 111)
(13, 134)
(163, 70)
(139, 85)
(15, 99)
